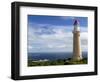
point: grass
(57, 62)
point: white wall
(5, 40)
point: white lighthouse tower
(77, 54)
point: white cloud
(57, 39)
(30, 47)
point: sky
(54, 33)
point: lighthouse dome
(76, 25)
(76, 22)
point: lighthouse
(77, 54)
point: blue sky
(57, 20)
(54, 33)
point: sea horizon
(53, 55)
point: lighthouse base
(75, 58)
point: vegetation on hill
(56, 62)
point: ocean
(52, 56)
